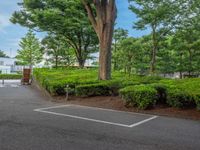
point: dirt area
(117, 104)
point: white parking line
(44, 110)
(95, 108)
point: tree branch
(90, 14)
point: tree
(131, 56)
(64, 18)
(161, 16)
(2, 54)
(58, 51)
(102, 15)
(119, 35)
(31, 51)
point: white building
(8, 65)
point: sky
(10, 34)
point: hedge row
(142, 92)
(10, 76)
(56, 80)
(145, 96)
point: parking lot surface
(28, 121)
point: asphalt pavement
(29, 121)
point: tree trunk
(181, 66)
(115, 62)
(81, 62)
(190, 63)
(103, 20)
(56, 65)
(105, 39)
(154, 51)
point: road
(23, 127)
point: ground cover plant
(10, 76)
(140, 91)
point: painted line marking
(94, 108)
(44, 110)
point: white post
(67, 93)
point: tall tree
(67, 18)
(31, 51)
(58, 51)
(119, 35)
(161, 16)
(102, 14)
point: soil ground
(117, 103)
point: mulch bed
(116, 103)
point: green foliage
(140, 91)
(59, 52)
(10, 76)
(161, 92)
(105, 88)
(31, 51)
(2, 54)
(179, 98)
(142, 96)
(64, 18)
(96, 89)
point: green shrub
(180, 98)
(150, 79)
(161, 92)
(88, 90)
(198, 104)
(103, 88)
(10, 76)
(142, 96)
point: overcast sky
(10, 34)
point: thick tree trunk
(103, 20)
(105, 39)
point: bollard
(67, 93)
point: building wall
(6, 65)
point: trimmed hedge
(161, 92)
(142, 96)
(105, 88)
(10, 76)
(179, 98)
(138, 90)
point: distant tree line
(173, 44)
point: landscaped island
(140, 91)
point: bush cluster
(141, 91)
(105, 88)
(10, 76)
(142, 96)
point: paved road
(21, 128)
